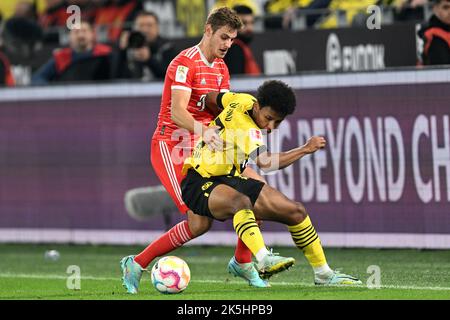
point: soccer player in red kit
(189, 77)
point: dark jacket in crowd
(162, 53)
(240, 59)
(436, 37)
(88, 65)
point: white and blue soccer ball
(170, 275)
(51, 255)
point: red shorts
(167, 161)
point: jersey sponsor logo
(206, 185)
(203, 81)
(181, 74)
(230, 110)
(255, 134)
(219, 80)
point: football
(170, 275)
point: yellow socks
(247, 229)
(303, 234)
(306, 239)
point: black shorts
(196, 190)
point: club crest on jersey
(206, 185)
(219, 80)
(181, 74)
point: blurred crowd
(121, 39)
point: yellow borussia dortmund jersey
(242, 140)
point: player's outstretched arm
(274, 161)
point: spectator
(21, 41)
(22, 38)
(81, 51)
(240, 59)
(143, 53)
(6, 75)
(436, 35)
(115, 15)
(54, 19)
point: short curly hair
(224, 16)
(277, 95)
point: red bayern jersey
(190, 71)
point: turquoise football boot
(337, 279)
(273, 264)
(131, 274)
(248, 272)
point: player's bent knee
(238, 202)
(301, 209)
(199, 229)
(198, 225)
(299, 213)
(296, 215)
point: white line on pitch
(304, 284)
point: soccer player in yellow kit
(214, 186)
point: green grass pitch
(405, 274)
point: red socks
(172, 239)
(175, 238)
(242, 254)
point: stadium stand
(29, 50)
(83, 60)
(141, 52)
(78, 191)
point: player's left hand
(315, 143)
